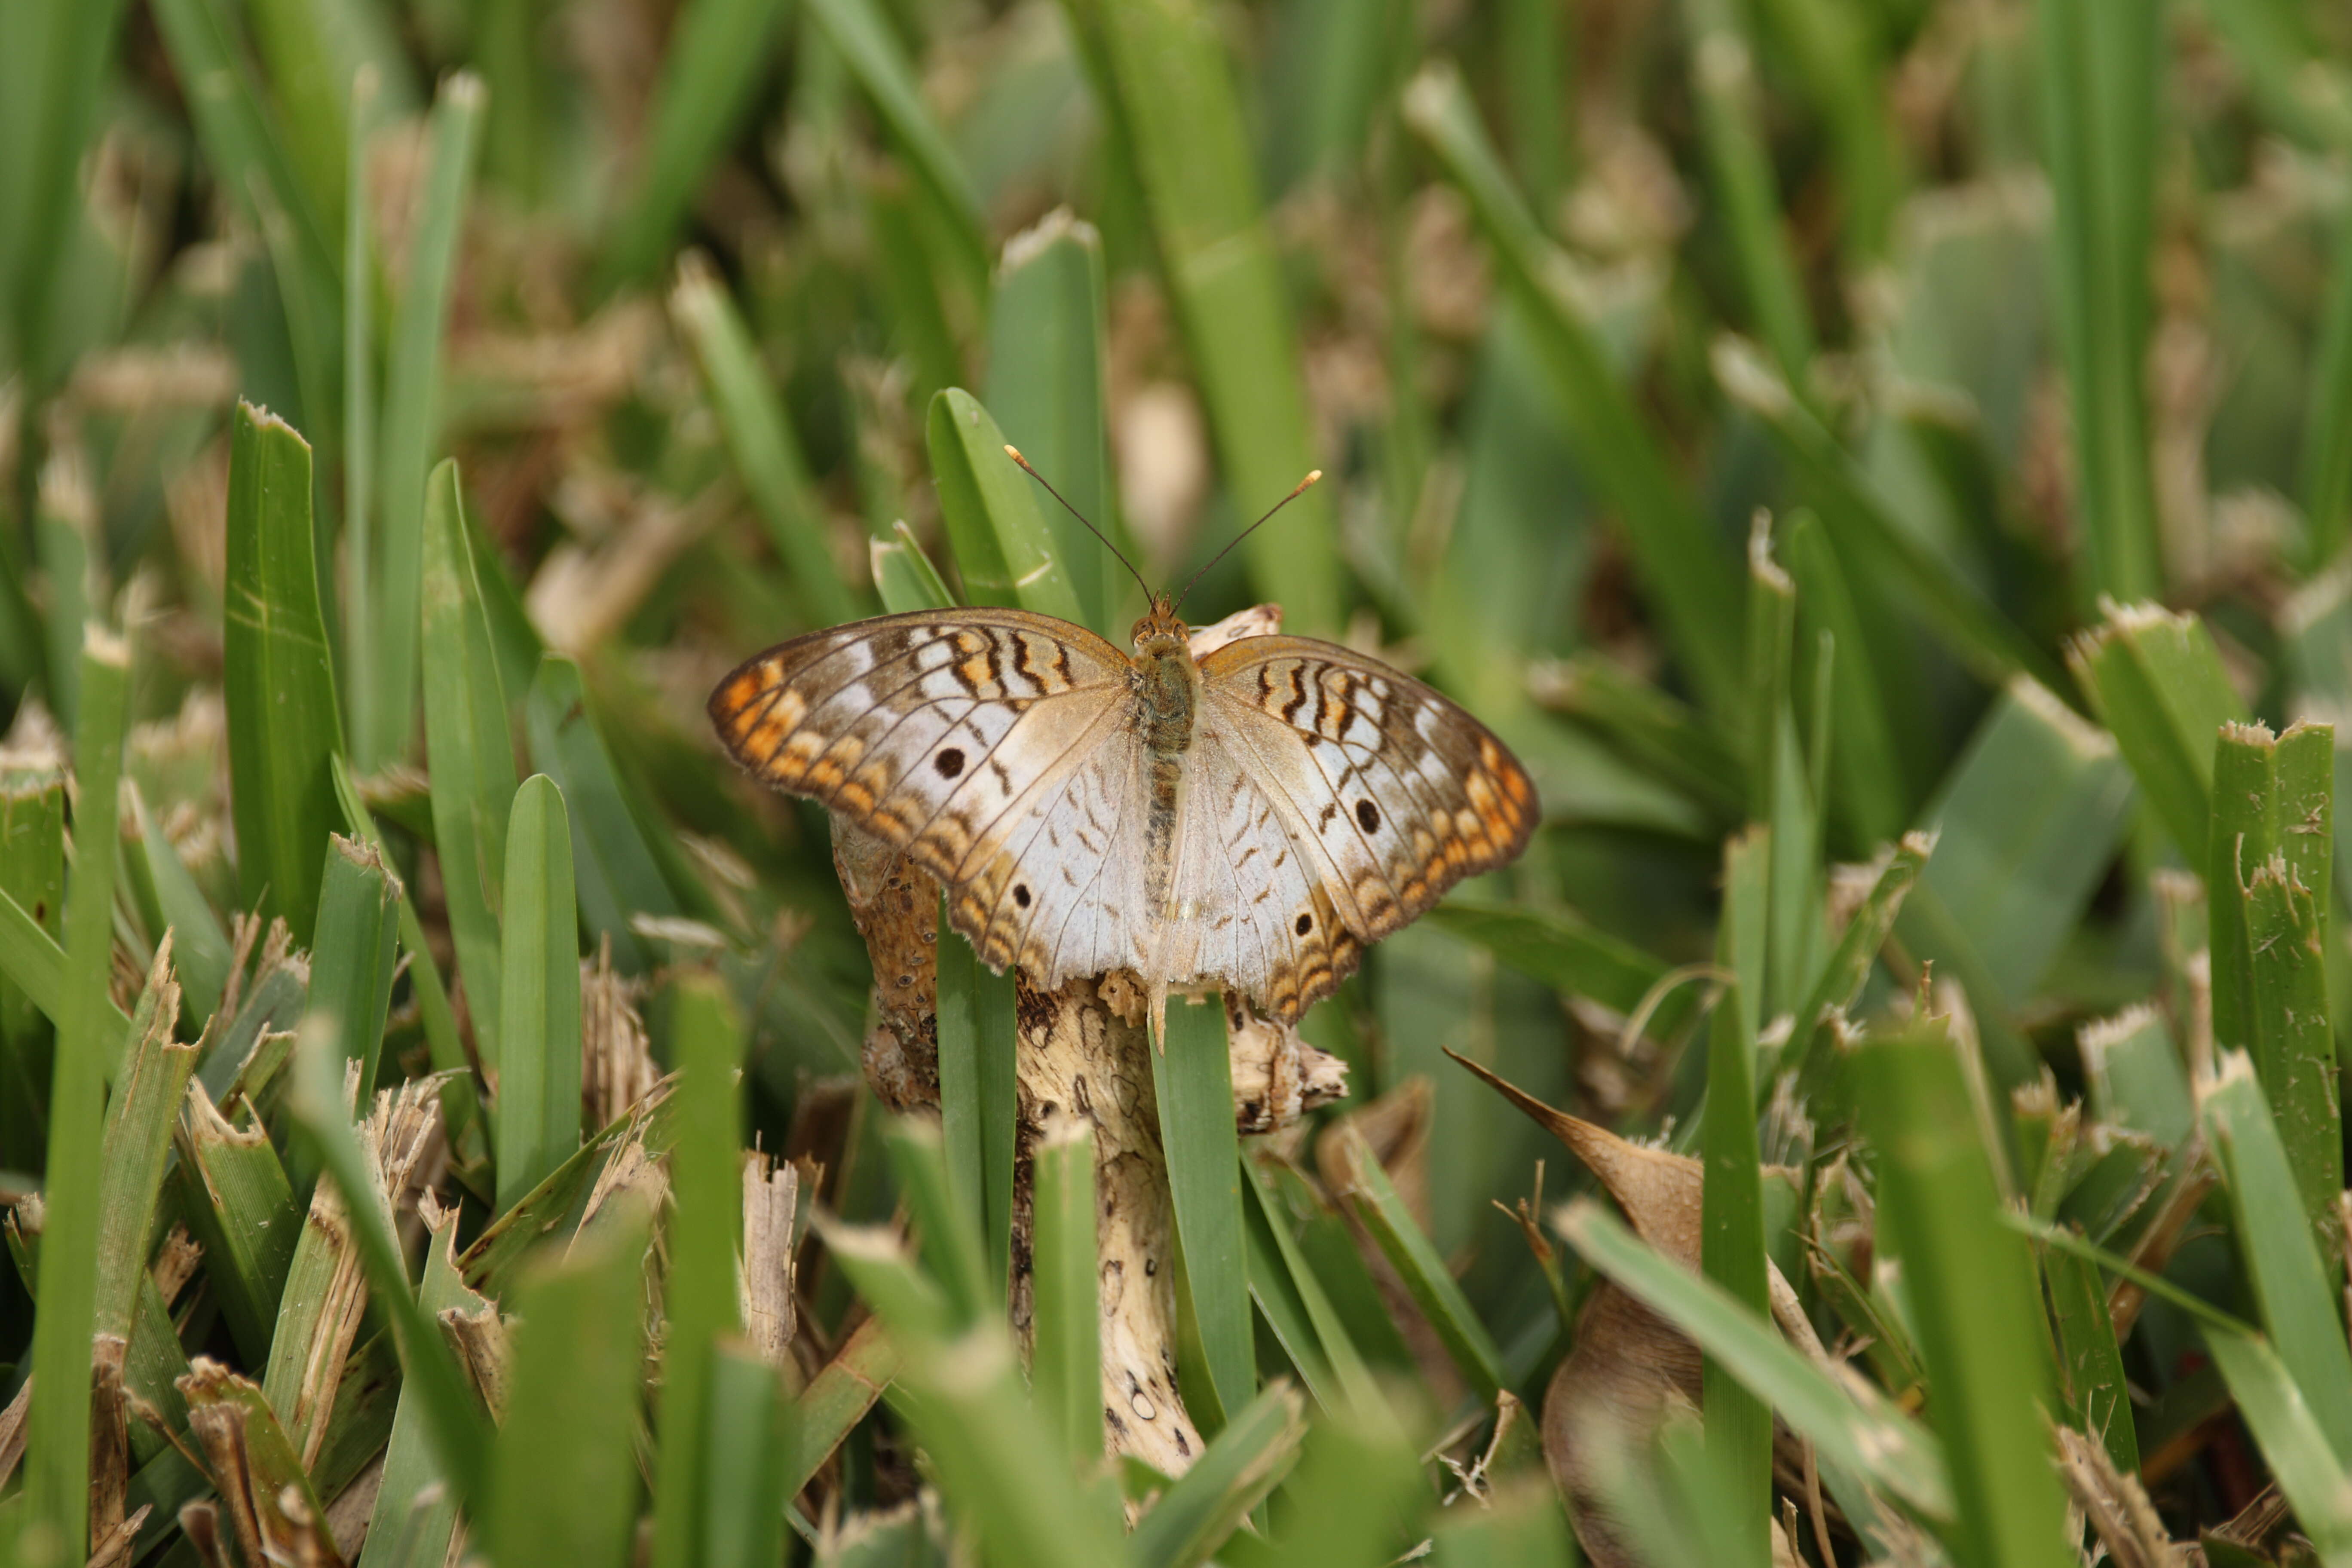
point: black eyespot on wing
(1305, 923)
(950, 761)
(1367, 816)
(1021, 894)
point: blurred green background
(1754, 410)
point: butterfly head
(1159, 632)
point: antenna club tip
(1312, 475)
(1013, 451)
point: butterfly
(1251, 816)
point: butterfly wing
(1347, 795)
(950, 736)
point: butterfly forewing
(1394, 791)
(925, 730)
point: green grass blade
(562, 1484)
(403, 1513)
(617, 874)
(2026, 823)
(1357, 1497)
(32, 879)
(137, 1145)
(1868, 792)
(2284, 1263)
(307, 87)
(2090, 1366)
(1852, 1425)
(278, 677)
(56, 1456)
(904, 577)
(978, 1042)
(705, 1226)
(1685, 570)
(201, 951)
(384, 685)
(1004, 551)
(1192, 1518)
(351, 968)
(2327, 422)
(1869, 537)
(1739, 168)
(1355, 1387)
(469, 750)
(1565, 953)
(1192, 1076)
(760, 439)
(1808, 1052)
(857, 30)
(718, 52)
(1738, 1425)
(748, 1440)
(1972, 1293)
(238, 1203)
(2154, 678)
(538, 1106)
(1164, 77)
(360, 432)
(1426, 1278)
(1048, 342)
(956, 1279)
(1651, 728)
(317, 1108)
(2098, 68)
(1066, 1357)
(835, 1401)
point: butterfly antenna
(1014, 452)
(1298, 491)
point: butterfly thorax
(1166, 699)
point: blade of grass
(760, 439)
(2154, 678)
(904, 577)
(1066, 1314)
(2026, 823)
(835, 1401)
(1862, 525)
(56, 1456)
(1567, 954)
(1972, 1293)
(360, 431)
(1004, 550)
(1732, 1254)
(79, 42)
(1869, 793)
(1739, 168)
(383, 684)
(717, 53)
(1650, 728)
(138, 1142)
(351, 972)
(2327, 421)
(32, 912)
(238, 1203)
(414, 1503)
(1046, 373)
(562, 1484)
(277, 678)
(1193, 1517)
(1808, 1051)
(201, 951)
(2090, 1366)
(2098, 69)
(699, 1295)
(1191, 1077)
(1433, 1287)
(470, 751)
(1159, 70)
(955, 1277)
(856, 29)
(1683, 570)
(2284, 1264)
(978, 1041)
(618, 877)
(748, 1438)
(1849, 1421)
(538, 1106)
(316, 1108)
